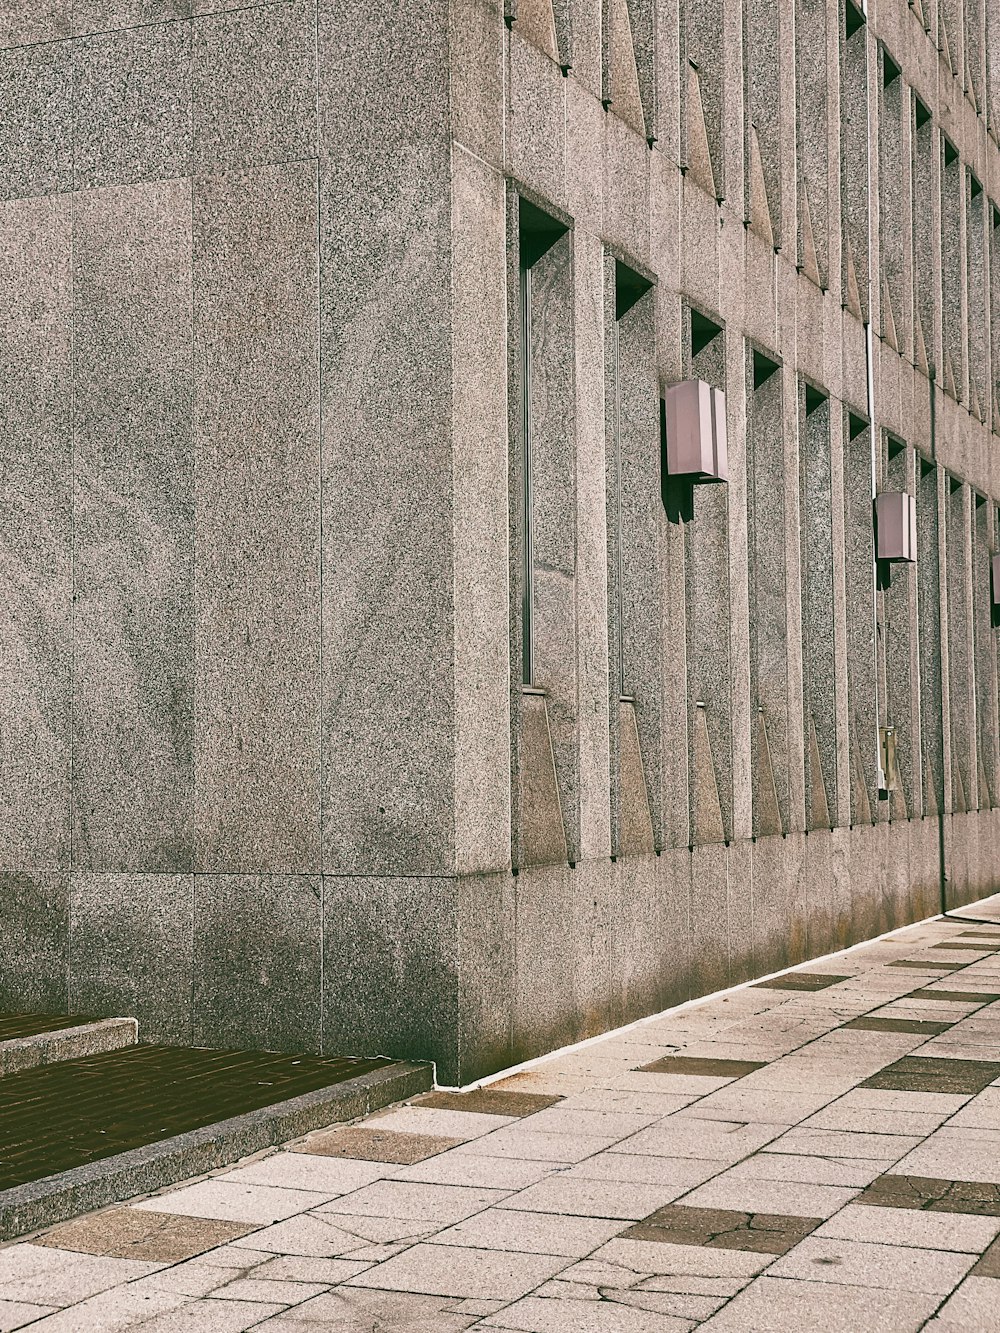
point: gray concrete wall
(267, 771)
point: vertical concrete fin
(625, 97)
(852, 293)
(760, 208)
(635, 835)
(985, 795)
(897, 799)
(960, 805)
(918, 11)
(888, 320)
(930, 790)
(919, 346)
(543, 833)
(706, 809)
(974, 407)
(699, 155)
(536, 20)
(819, 805)
(949, 377)
(808, 263)
(945, 45)
(766, 794)
(859, 788)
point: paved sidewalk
(817, 1152)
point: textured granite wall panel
(640, 534)
(894, 219)
(34, 929)
(591, 548)
(707, 606)
(812, 137)
(485, 918)
(536, 118)
(90, 16)
(133, 553)
(257, 962)
(132, 106)
(953, 277)
(926, 244)
(994, 251)
(36, 534)
(391, 968)
(929, 621)
(901, 704)
(253, 86)
(762, 53)
(642, 914)
(386, 353)
(480, 519)
(257, 538)
(24, 25)
(769, 615)
(36, 120)
(854, 178)
(859, 562)
(130, 951)
(977, 296)
(961, 671)
(985, 653)
(553, 522)
(478, 114)
(818, 659)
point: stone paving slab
(818, 1152)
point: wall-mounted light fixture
(896, 526)
(995, 571)
(695, 425)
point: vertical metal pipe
(619, 592)
(528, 572)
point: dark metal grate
(64, 1115)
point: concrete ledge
(46, 1048)
(42, 1203)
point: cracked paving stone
(377, 1145)
(489, 1101)
(702, 1066)
(723, 1228)
(932, 1195)
(918, 1073)
(805, 981)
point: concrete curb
(46, 1048)
(42, 1203)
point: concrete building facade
(365, 683)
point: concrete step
(28, 1041)
(82, 1133)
